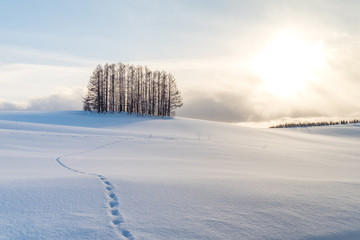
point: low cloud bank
(61, 99)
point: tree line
(313, 124)
(132, 89)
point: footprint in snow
(115, 212)
(113, 204)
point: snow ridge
(113, 204)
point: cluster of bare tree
(313, 124)
(126, 88)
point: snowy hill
(76, 175)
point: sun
(288, 63)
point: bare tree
(125, 88)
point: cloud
(61, 99)
(11, 106)
(21, 82)
(225, 107)
(25, 55)
(234, 94)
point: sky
(234, 60)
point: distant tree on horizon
(126, 88)
(315, 124)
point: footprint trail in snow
(113, 201)
(113, 205)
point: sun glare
(288, 64)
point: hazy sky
(233, 60)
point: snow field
(73, 175)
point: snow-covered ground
(75, 175)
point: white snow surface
(76, 175)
